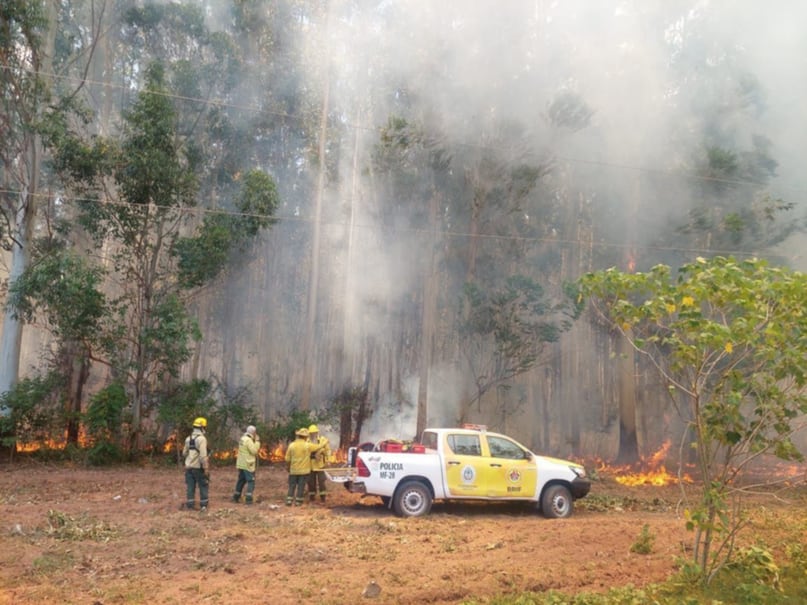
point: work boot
(288, 501)
(249, 500)
(236, 498)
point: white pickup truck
(462, 464)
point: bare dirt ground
(85, 536)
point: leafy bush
(644, 544)
(282, 429)
(224, 410)
(33, 413)
(102, 422)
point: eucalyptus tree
(725, 151)
(511, 304)
(155, 256)
(27, 33)
(64, 289)
(412, 163)
(46, 48)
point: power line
(378, 130)
(415, 230)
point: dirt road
(77, 535)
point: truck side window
(504, 448)
(464, 445)
(429, 440)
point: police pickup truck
(466, 463)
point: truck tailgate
(341, 474)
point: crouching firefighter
(197, 469)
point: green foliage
(644, 543)
(103, 420)
(167, 337)
(568, 110)
(281, 429)
(67, 289)
(515, 321)
(256, 205)
(202, 258)
(33, 407)
(225, 411)
(154, 171)
(756, 566)
(729, 338)
(753, 579)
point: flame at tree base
(649, 471)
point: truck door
(511, 470)
(465, 469)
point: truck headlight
(579, 471)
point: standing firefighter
(197, 469)
(247, 463)
(298, 464)
(319, 460)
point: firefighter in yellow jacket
(319, 460)
(298, 464)
(247, 464)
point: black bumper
(355, 488)
(580, 487)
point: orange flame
(277, 454)
(649, 471)
(631, 262)
(50, 444)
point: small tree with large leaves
(729, 338)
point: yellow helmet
(313, 429)
(200, 423)
(301, 432)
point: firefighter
(319, 460)
(197, 469)
(298, 464)
(247, 463)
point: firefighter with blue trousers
(247, 463)
(197, 465)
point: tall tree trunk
(313, 282)
(429, 312)
(24, 214)
(628, 442)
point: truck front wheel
(556, 502)
(412, 499)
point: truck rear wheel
(412, 499)
(557, 502)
